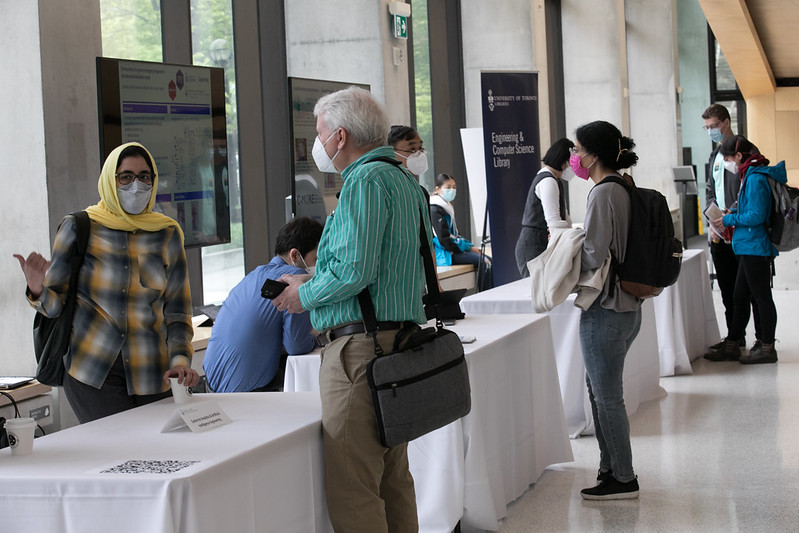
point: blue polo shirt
(249, 334)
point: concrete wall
(350, 41)
(51, 156)
(497, 36)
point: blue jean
(605, 338)
(486, 280)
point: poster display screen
(178, 113)
(313, 192)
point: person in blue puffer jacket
(750, 241)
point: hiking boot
(715, 347)
(766, 354)
(729, 350)
(755, 347)
(612, 489)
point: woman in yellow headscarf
(132, 327)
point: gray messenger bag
(423, 384)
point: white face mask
(323, 161)
(309, 269)
(416, 162)
(134, 196)
(731, 166)
(567, 174)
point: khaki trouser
(369, 487)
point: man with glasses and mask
(250, 338)
(721, 188)
(370, 241)
(408, 149)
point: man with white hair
(370, 241)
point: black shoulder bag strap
(81, 243)
(434, 297)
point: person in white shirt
(546, 204)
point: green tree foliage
(131, 29)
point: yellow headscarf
(110, 214)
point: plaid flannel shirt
(133, 301)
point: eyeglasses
(126, 178)
(712, 126)
(418, 150)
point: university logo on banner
(512, 158)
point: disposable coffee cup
(181, 393)
(20, 435)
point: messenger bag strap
(434, 296)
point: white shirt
(548, 192)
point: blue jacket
(752, 218)
(446, 240)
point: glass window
(421, 74)
(725, 81)
(131, 29)
(212, 45)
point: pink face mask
(575, 162)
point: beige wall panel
(787, 99)
(761, 123)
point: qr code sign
(148, 467)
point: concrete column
(349, 41)
(51, 154)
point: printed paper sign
(198, 417)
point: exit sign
(400, 27)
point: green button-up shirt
(371, 240)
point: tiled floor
(719, 453)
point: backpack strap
(82, 227)
(614, 263)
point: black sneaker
(766, 354)
(729, 351)
(612, 489)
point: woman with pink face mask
(610, 325)
(545, 208)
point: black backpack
(51, 336)
(783, 228)
(654, 255)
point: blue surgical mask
(715, 135)
(448, 194)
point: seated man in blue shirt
(250, 335)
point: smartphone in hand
(272, 288)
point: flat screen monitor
(178, 113)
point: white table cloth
(475, 466)
(641, 369)
(261, 472)
(686, 317)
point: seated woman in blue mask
(450, 247)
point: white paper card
(198, 417)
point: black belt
(329, 335)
